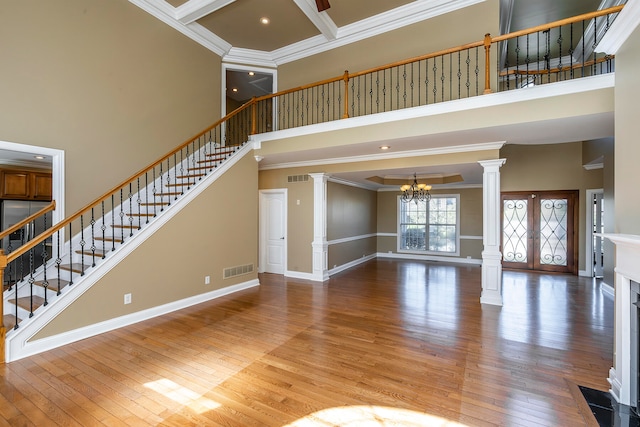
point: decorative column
(491, 255)
(320, 261)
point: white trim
(16, 341)
(388, 156)
(196, 32)
(351, 183)
(301, 275)
(387, 234)
(456, 260)
(321, 20)
(623, 26)
(195, 9)
(426, 252)
(57, 173)
(449, 187)
(350, 264)
(351, 239)
(34, 347)
(588, 243)
(399, 17)
(607, 290)
(238, 55)
(593, 166)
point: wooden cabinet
(25, 185)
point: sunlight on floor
(182, 395)
(373, 416)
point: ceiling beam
(195, 9)
(321, 20)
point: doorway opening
(273, 231)
(594, 247)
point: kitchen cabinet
(25, 185)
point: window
(431, 227)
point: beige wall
(551, 167)
(627, 92)
(299, 215)
(351, 212)
(471, 24)
(201, 240)
(106, 82)
(470, 220)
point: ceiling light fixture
(415, 192)
(235, 89)
(264, 20)
(385, 147)
(251, 73)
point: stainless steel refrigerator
(11, 213)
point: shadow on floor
(607, 411)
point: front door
(538, 231)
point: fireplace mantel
(627, 269)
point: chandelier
(415, 192)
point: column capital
(495, 163)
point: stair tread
(52, 283)
(141, 214)
(170, 193)
(180, 184)
(202, 167)
(154, 204)
(127, 226)
(98, 252)
(9, 321)
(198, 175)
(75, 267)
(25, 302)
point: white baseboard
(19, 350)
(350, 264)
(607, 290)
(456, 260)
(584, 273)
(301, 275)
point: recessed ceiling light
(264, 20)
(251, 73)
(235, 89)
(39, 157)
(385, 147)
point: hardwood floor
(385, 343)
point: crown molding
(165, 13)
(394, 19)
(321, 20)
(625, 23)
(195, 9)
(183, 19)
(250, 57)
(348, 183)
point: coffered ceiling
(233, 28)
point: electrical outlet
(207, 280)
(127, 298)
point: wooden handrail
(559, 23)
(50, 207)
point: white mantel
(627, 269)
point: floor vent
(298, 178)
(237, 271)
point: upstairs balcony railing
(554, 52)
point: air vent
(298, 178)
(237, 271)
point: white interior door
(273, 231)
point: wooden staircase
(32, 293)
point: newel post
(487, 63)
(346, 94)
(3, 331)
(253, 115)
